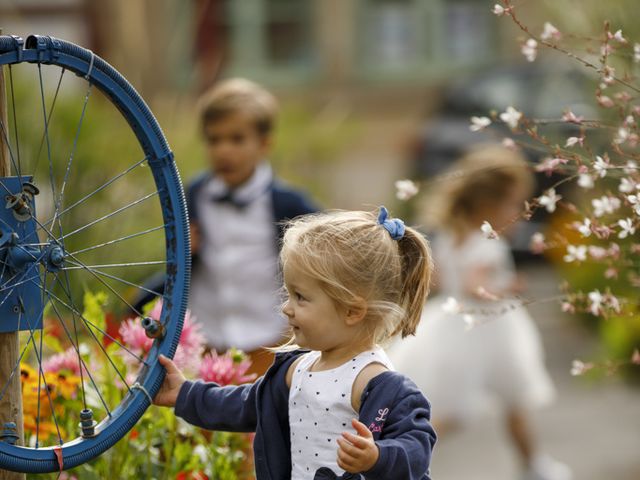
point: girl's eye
(299, 297)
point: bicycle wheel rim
(51, 51)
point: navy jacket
(392, 406)
(287, 203)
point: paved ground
(594, 428)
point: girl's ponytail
(416, 277)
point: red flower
(191, 476)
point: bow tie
(227, 197)
(324, 473)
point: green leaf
(94, 310)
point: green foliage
(160, 446)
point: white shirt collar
(246, 193)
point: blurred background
(373, 91)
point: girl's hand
(168, 393)
(357, 453)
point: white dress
(460, 369)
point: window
(419, 38)
(266, 39)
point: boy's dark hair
(238, 95)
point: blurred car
(540, 91)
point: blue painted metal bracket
(21, 302)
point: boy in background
(236, 209)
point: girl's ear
(356, 312)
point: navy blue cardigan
(392, 406)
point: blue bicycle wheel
(86, 210)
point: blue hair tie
(394, 226)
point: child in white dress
(475, 341)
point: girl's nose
(286, 309)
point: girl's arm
(208, 405)
(398, 416)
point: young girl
(474, 330)
(353, 280)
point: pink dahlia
(67, 360)
(226, 369)
(134, 336)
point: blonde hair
(354, 258)
(239, 95)
(479, 180)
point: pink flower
(605, 101)
(488, 231)
(568, 307)
(226, 369)
(537, 244)
(614, 303)
(67, 360)
(499, 10)
(549, 165)
(597, 253)
(509, 143)
(624, 97)
(614, 251)
(635, 358)
(66, 476)
(550, 32)
(571, 117)
(156, 310)
(191, 345)
(578, 367)
(134, 336)
(571, 141)
(611, 272)
(617, 36)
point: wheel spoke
(114, 265)
(13, 287)
(73, 151)
(17, 284)
(109, 215)
(75, 328)
(111, 242)
(46, 133)
(97, 340)
(53, 106)
(97, 190)
(15, 122)
(42, 379)
(111, 289)
(122, 280)
(88, 323)
(76, 347)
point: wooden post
(11, 403)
